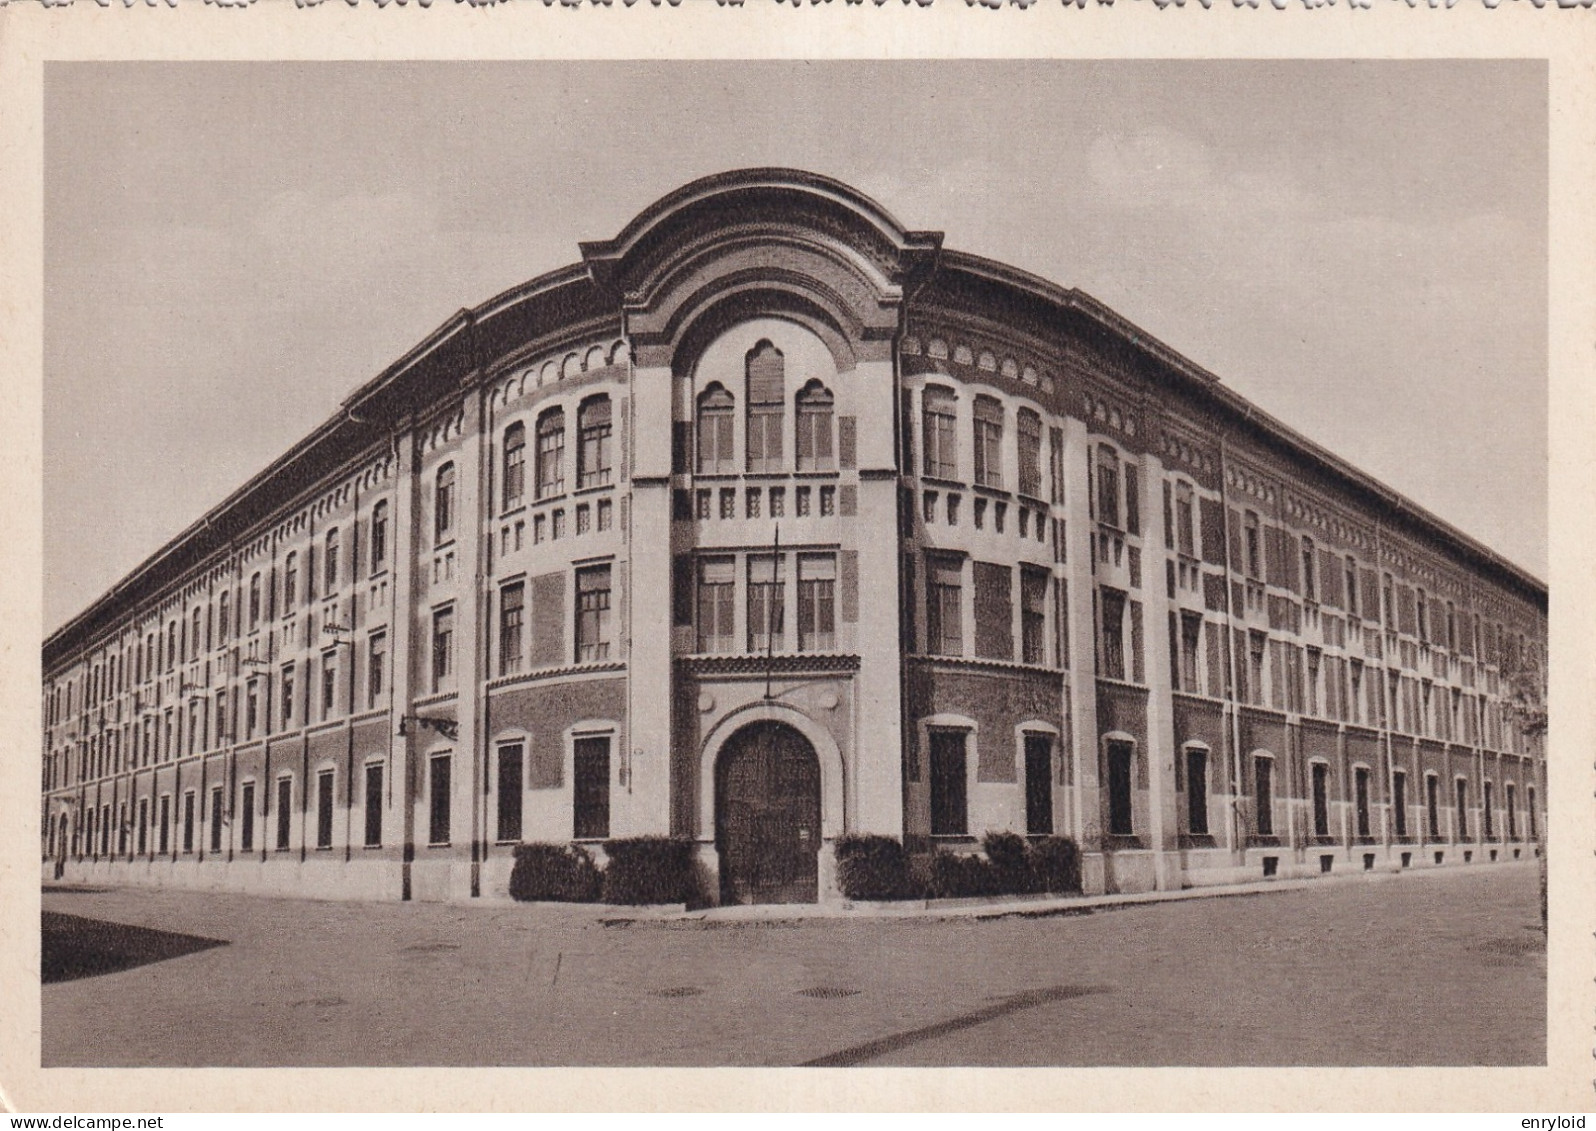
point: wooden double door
(767, 816)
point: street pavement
(1444, 967)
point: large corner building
(769, 522)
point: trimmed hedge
(562, 873)
(1056, 862)
(874, 867)
(1011, 865)
(650, 869)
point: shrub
(956, 875)
(1056, 864)
(649, 869)
(563, 873)
(1013, 873)
(873, 867)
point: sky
(1357, 247)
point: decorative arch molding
(833, 775)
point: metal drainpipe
(1237, 819)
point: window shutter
(847, 442)
(1407, 611)
(1275, 555)
(994, 616)
(766, 371)
(548, 619)
(1238, 560)
(848, 587)
(1212, 517)
(1370, 604)
(847, 500)
(1292, 549)
(682, 589)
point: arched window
(593, 451)
(379, 536)
(551, 453)
(254, 601)
(195, 632)
(291, 581)
(939, 447)
(1028, 433)
(514, 464)
(330, 563)
(988, 442)
(715, 407)
(815, 449)
(171, 645)
(443, 504)
(767, 402)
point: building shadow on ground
(74, 947)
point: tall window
(291, 581)
(1055, 462)
(438, 796)
(1121, 755)
(766, 578)
(1487, 817)
(254, 601)
(715, 407)
(593, 614)
(1033, 615)
(1399, 802)
(188, 822)
(376, 665)
(514, 465)
(246, 818)
(1185, 520)
(944, 616)
(442, 646)
(509, 785)
(285, 811)
(1310, 579)
(511, 601)
(815, 405)
(324, 809)
(1254, 546)
(374, 805)
(195, 650)
(443, 504)
(379, 536)
(591, 788)
(767, 398)
(1462, 808)
(1512, 812)
(1107, 485)
(1191, 632)
(817, 618)
(329, 683)
(1263, 770)
(1321, 799)
(949, 788)
(1111, 638)
(1349, 582)
(1360, 784)
(1387, 601)
(286, 692)
(938, 425)
(1028, 434)
(594, 448)
(1424, 616)
(216, 818)
(988, 417)
(551, 453)
(1196, 790)
(330, 562)
(717, 586)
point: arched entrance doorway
(767, 816)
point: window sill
(594, 488)
(938, 481)
(513, 509)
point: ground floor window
(591, 788)
(1512, 813)
(285, 808)
(374, 805)
(1120, 756)
(1462, 808)
(438, 825)
(948, 800)
(1432, 804)
(1263, 771)
(1399, 802)
(1529, 795)
(1487, 816)
(166, 825)
(324, 809)
(1039, 784)
(1196, 791)
(246, 831)
(1360, 784)
(216, 818)
(188, 821)
(510, 761)
(1321, 799)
